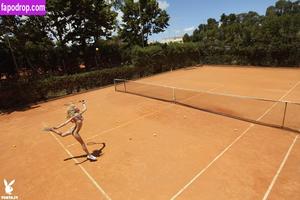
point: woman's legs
(61, 133)
(79, 139)
(75, 132)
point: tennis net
(279, 114)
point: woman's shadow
(97, 153)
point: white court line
(289, 91)
(83, 169)
(279, 169)
(132, 121)
(212, 162)
(227, 148)
(122, 125)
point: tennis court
(153, 148)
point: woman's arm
(84, 107)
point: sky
(186, 15)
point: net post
(284, 114)
(119, 82)
(115, 85)
(124, 83)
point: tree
(77, 25)
(142, 19)
(207, 32)
(34, 45)
(186, 38)
(58, 21)
(9, 28)
(80, 21)
(91, 20)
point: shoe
(91, 157)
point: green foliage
(40, 56)
(109, 53)
(150, 60)
(69, 34)
(186, 38)
(142, 19)
(249, 38)
(57, 43)
(6, 62)
(80, 21)
(185, 54)
(22, 92)
(146, 61)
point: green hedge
(144, 62)
(22, 92)
(158, 58)
(147, 61)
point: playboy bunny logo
(8, 186)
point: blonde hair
(71, 111)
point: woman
(74, 115)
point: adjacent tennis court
(211, 132)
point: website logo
(8, 189)
(8, 186)
(22, 7)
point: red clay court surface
(155, 149)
